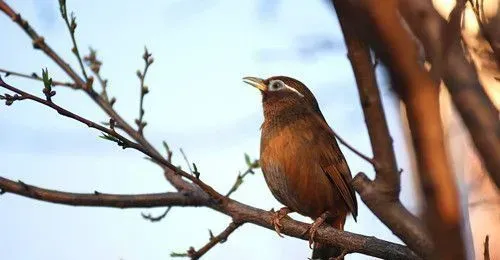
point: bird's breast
(292, 171)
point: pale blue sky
(202, 49)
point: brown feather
(301, 160)
(310, 181)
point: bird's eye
(276, 85)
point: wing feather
(335, 166)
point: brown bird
(301, 160)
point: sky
(197, 102)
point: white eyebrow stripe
(294, 90)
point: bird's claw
(277, 217)
(314, 227)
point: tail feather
(324, 252)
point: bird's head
(282, 93)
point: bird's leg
(278, 216)
(314, 227)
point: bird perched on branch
(301, 160)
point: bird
(301, 161)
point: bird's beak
(255, 82)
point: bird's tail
(324, 252)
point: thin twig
(239, 181)
(221, 238)
(186, 160)
(34, 76)
(99, 199)
(157, 218)
(148, 60)
(121, 140)
(252, 165)
(71, 28)
(354, 150)
(39, 43)
(95, 66)
(116, 137)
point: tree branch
(206, 197)
(221, 238)
(71, 28)
(39, 43)
(421, 97)
(157, 218)
(240, 213)
(148, 60)
(355, 151)
(478, 113)
(112, 135)
(98, 199)
(252, 165)
(36, 77)
(381, 195)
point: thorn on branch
(2, 191)
(97, 193)
(25, 186)
(157, 218)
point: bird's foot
(314, 227)
(278, 216)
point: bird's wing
(334, 165)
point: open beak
(256, 82)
